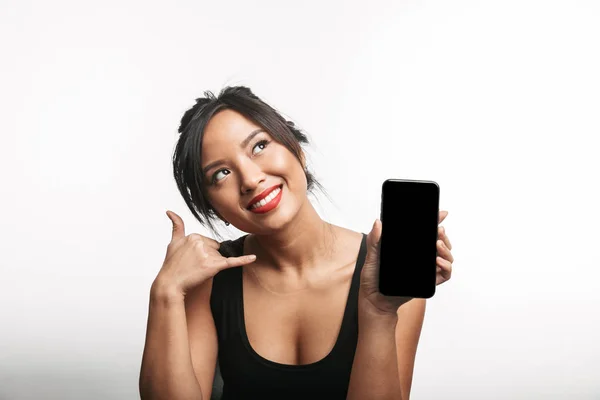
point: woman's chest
(295, 329)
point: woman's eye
(214, 178)
(262, 143)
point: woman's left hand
(369, 280)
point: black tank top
(242, 373)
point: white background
(497, 101)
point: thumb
(178, 226)
(373, 239)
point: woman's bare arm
(202, 336)
(168, 370)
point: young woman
(289, 310)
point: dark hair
(187, 165)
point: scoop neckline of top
(343, 327)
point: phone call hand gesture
(192, 259)
(369, 295)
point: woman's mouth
(268, 203)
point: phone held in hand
(407, 253)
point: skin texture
(295, 291)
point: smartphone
(407, 248)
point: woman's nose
(251, 178)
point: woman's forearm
(167, 371)
(375, 367)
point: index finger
(442, 216)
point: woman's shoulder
(349, 239)
(232, 247)
(347, 245)
(229, 248)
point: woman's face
(250, 162)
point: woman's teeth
(267, 199)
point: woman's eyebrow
(242, 146)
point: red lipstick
(261, 196)
(268, 206)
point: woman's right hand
(192, 259)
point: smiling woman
(274, 313)
(205, 141)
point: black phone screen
(407, 253)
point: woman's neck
(303, 245)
